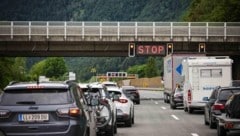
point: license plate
(33, 117)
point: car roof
(109, 82)
(128, 87)
(229, 87)
(92, 85)
(35, 85)
(114, 89)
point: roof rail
(13, 82)
(68, 81)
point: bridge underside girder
(98, 49)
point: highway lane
(155, 118)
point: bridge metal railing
(119, 29)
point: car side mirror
(205, 99)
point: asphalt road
(155, 118)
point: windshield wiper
(26, 102)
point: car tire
(138, 102)
(221, 131)
(115, 128)
(190, 110)
(185, 109)
(205, 119)
(110, 132)
(128, 123)
(133, 121)
(212, 124)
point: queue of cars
(62, 108)
(216, 108)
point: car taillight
(218, 106)
(189, 96)
(4, 113)
(65, 112)
(123, 100)
(74, 112)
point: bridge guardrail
(12, 29)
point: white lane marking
(194, 134)
(156, 102)
(175, 117)
(164, 108)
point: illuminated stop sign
(151, 50)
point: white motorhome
(201, 75)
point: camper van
(201, 75)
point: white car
(109, 84)
(125, 107)
(98, 89)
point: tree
(137, 69)
(55, 67)
(151, 68)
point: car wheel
(205, 119)
(211, 124)
(172, 105)
(133, 119)
(190, 110)
(138, 102)
(115, 128)
(110, 132)
(128, 123)
(185, 109)
(221, 131)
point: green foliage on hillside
(92, 10)
(213, 10)
(11, 69)
(53, 68)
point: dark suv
(176, 98)
(132, 93)
(42, 109)
(216, 104)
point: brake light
(65, 112)
(123, 100)
(4, 113)
(229, 125)
(189, 96)
(218, 106)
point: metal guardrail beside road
(119, 31)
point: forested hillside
(213, 10)
(93, 10)
(110, 10)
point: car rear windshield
(38, 97)
(130, 90)
(225, 94)
(114, 93)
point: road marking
(175, 117)
(156, 102)
(194, 134)
(164, 108)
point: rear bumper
(123, 118)
(74, 129)
(197, 105)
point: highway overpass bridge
(38, 38)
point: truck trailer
(172, 72)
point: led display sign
(151, 50)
